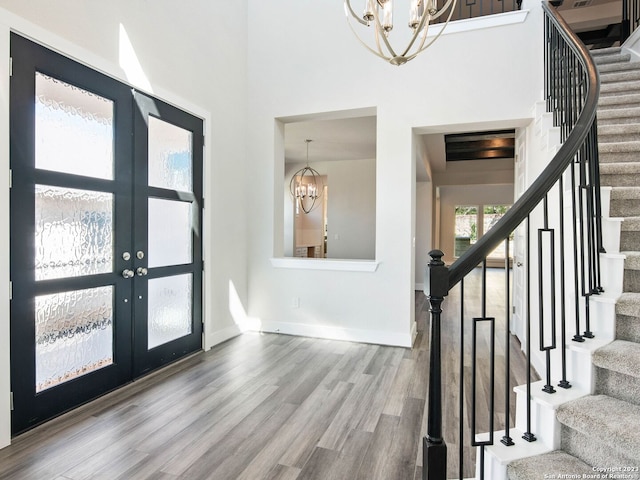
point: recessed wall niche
(341, 223)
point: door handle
(126, 273)
(141, 271)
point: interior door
(97, 297)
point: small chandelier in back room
(306, 186)
(379, 14)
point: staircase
(602, 430)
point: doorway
(106, 249)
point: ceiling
(332, 140)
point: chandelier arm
(353, 14)
(424, 19)
(424, 47)
(379, 28)
(376, 53)
(444, 9)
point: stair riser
(617, 385)
(620, 88)
(628, 328)
(619, 120)
(625, 208)
(618, 137)
(629, 241)
(590, 451)
(617, 67)
(619, 180)
(618, 157)
(631, 281)
(609, 59)
(625, 76)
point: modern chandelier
(379, 14)
(306, 185)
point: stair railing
(630, 18)
(572, 179)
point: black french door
(106, 251)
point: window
(472, 222)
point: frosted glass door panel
(170, 300)
(170, 239)
(74, 129)
(170, 156)
(74, 335)
(74, 232)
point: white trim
(5, 359)
(325, 264)
(219, 336)
(480, 23)
(332, 332)
(632, 45)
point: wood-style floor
(266, 406)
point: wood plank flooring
(272, 407)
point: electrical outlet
(295, 302)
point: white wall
(351, 210)
(311, 64)
(424, 227)
(187, 56)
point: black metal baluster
(598, 202)
(434, 448)
(625, 30)
(506, 439)
(574, 213)
(461, 387)
(548, 388)
(484, 443)
(528, 435)
(564, 383)
(581, 220)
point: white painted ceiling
(332, 140)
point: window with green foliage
(473, 221)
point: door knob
(519, 264)
(141, 271)
(126, 273)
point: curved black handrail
(550, 175)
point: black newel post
(434, 450)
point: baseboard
(331, 332)
(214, 338)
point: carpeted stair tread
(616, 147)
(617, 87)
(630, 224)
(624, 132)
(616, 100)
(618, 67)
(552, 463)
(622, 168)
(632, 260)
(606, 59)
(619, 116)
(620, 356)
(625, 193)
(628, 304)
(605, 421)
(601, 52)
(628, 328)
(619, 174)
(620, 76)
